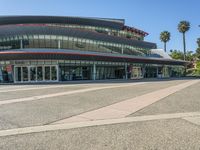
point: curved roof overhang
(59, 54)
(100, 22)
(11, 30)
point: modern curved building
(52, 49)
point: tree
(165, 37)
(176, 54)
(183, 27)
(197, 71)
(198, 42)
(198, 52)
(190, 56)
(198, 49)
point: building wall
(67, 70)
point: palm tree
(183, 27)
(198, 42)
(165, 37)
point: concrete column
(58, 44)
(14, 76)
(122, 50)
(126, 76)
(143, 71)
(157, 72)
(94, 71)
(21, 44)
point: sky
(152, 16)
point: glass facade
(35, 73)
(68, 70)
(72, 43)
(109, 31)
(52, 49)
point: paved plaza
(117, 114)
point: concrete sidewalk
(127, 107)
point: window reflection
(72, 43)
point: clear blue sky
(152, 16)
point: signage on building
(9, 68)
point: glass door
(36, 73)
(54, 73)
(25, 74)
(33, 73)
(47, 75)
(39, 73)
(18, 74)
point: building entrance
(68, 73)
(35, 73)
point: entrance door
(18, 74)
(86, 72)
(136, 73)
(47, 73)
(33, 73)
(54, 73)
(25, 74)
(39, 73)
(36, 73)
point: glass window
(25, 73)
(53, 73)
(32, 73)
(39, 73)
(47, 72)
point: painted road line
(37, 87)
(129, 106)
(34, 88)
(194, 120)
(3, 102)
(45, 128)
(7, 87)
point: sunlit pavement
(162, 114)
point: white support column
(57, 67)
(29, 74)
(14, 75)
(143, 71)
(94, 71)
(58, 44)
(21, 44)
(50, 74)
(22, 74)
(43, 72)
(157, 72)
(126, 76)
(122, 50)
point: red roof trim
(132, 29)
(62, 53)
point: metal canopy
(100, 22)
(58, 54)
(11, 30)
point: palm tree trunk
(165, 46)
(184, 46)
